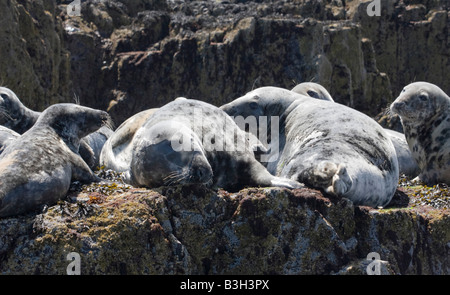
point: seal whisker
(4, 112)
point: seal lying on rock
(38, 167)
(424, 110)
(189, 141)
(325, 145)
(19, 118)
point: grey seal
(325, 145)
(190, 141)
(16, 116)
(313, 90)
(38, 167)
(424, 111)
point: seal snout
(201, 174)
(201, 171)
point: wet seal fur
(424, 110)
(38, 167)
(325, 145)
(16, 116)
(155, 161)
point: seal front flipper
(82, 172)
(287, 183)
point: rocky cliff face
(126, 56)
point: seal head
(159, 161)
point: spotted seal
(190, 141)
(16, 116)
(424, 110)
(313, 90)
(38, 167)
(325, 145)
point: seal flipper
(263, 178)
(285, 182)
(82, 172)
(333, 179)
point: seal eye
(313, 94)
(4, 96)
(423, 97)
(253, 105)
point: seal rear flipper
(285, 182)
(332, 178)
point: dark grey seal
(38, 167)
(325, 145)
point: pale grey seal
(38, 167)
(407, 164)
(424, 110)
(325, 145)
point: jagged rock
(193, 230)
(34, 62)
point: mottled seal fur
(313, 90)
(407, 164)
(38, 167)
(424, 110)
(189, 141)
(7, 136)
(16, 116)
(325, 145)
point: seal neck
(26, 119)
